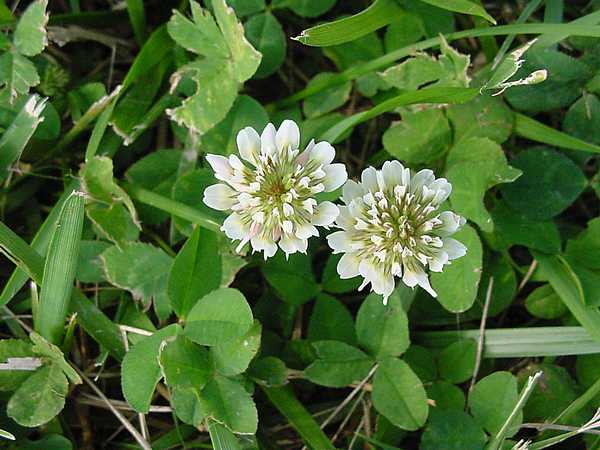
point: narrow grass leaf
(462, 6)
(137, 17)
(221, 438)
(59, 270)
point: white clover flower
(391, 227)
(271, 193)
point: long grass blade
(17, 250)
(59, 270)
(221, 437)
(137, 17)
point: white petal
(248, 144)
(369, 179)
(306, 230)
(234, 228)
(442, 190)
(392, 173)
(288, 135)
(436, 264)
(261, 243)
(322, 153)
(336, 175)
(220, 165)
(303, 157)
(451, 223)
(339, 242)
(422, 178)
(325, 214)
(267, 140)
(385, 287)
(370, 271)
(291, 244)
(347, 266)
(412, 278)
(219, 196)
(454, 248)
(351, 190)
(345, 220)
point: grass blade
(17, 250)
(221, 437)
(376, 16)
(536, 131)
(519, 342)
(19, 132)
(462, 6)
(430, 95)
(568, 287)
(59, 270)
(137, 17)
(286, 402)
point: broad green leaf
(421, 362)
(331, 281)
(338, 364)
(195, 272)
(30, 33)
(413, 73)
(19, 132)
(381, 329)
(326, 100)
(457, 285)
(54, 355)
(406, 30)
(399, 395)
(246, 7)
(17, 74)
(14, 348)
(245, 112)
(549, 184)
(451, 430)
(464, 7)
(504, 286)
(227, 401)
(268, 371)
(492, 400)
(39, 398)
(545, 304)
(446, 396)
(233, 357)
(331, 320)
(512, 227)
(475, 165)
(219, 317)
(266, 35)
(113, 223)
(584, 249)
(457, 361)
(59, 270)
(581, 117)
(186, 403)
(306, 8)
(292, 279)
(221, 438)
(379, 14)
(140, 268)
(484, 116)
(421, 136)
(185, 364)
(140, 371)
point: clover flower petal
(270, 191)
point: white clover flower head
(391, 227)
(271, 193)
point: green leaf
(233, 357)
(382, 329)
(137, 17)
(581, 117)
(376, 16)
(140, 371)
(246, 7)
(266, 35)
(545, 304)
(584, 249)
(550, 183)
(331, 320)
(30, 33)
(457, 361)
(227, 402)
(484, 116)
(17, 74)
(450, 430)
(399, 395)
(492, 400)
(338, 364)
(59, 270)
(462, 6)
(306, 8)
(268, 371)
(326, 100)
(221, 438)
(446, 396)
(331, 281)
(195, 272)
(245, 112)
(475, 165)
(15, 138)
(55, 355)
(185, 364)
(39, 398)
(421, 136)
(421, 362)
(219, 317)
(292, 279)
(140, 268)
(13, 348)
(113, 222)
(457, 285)
(413, 73)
